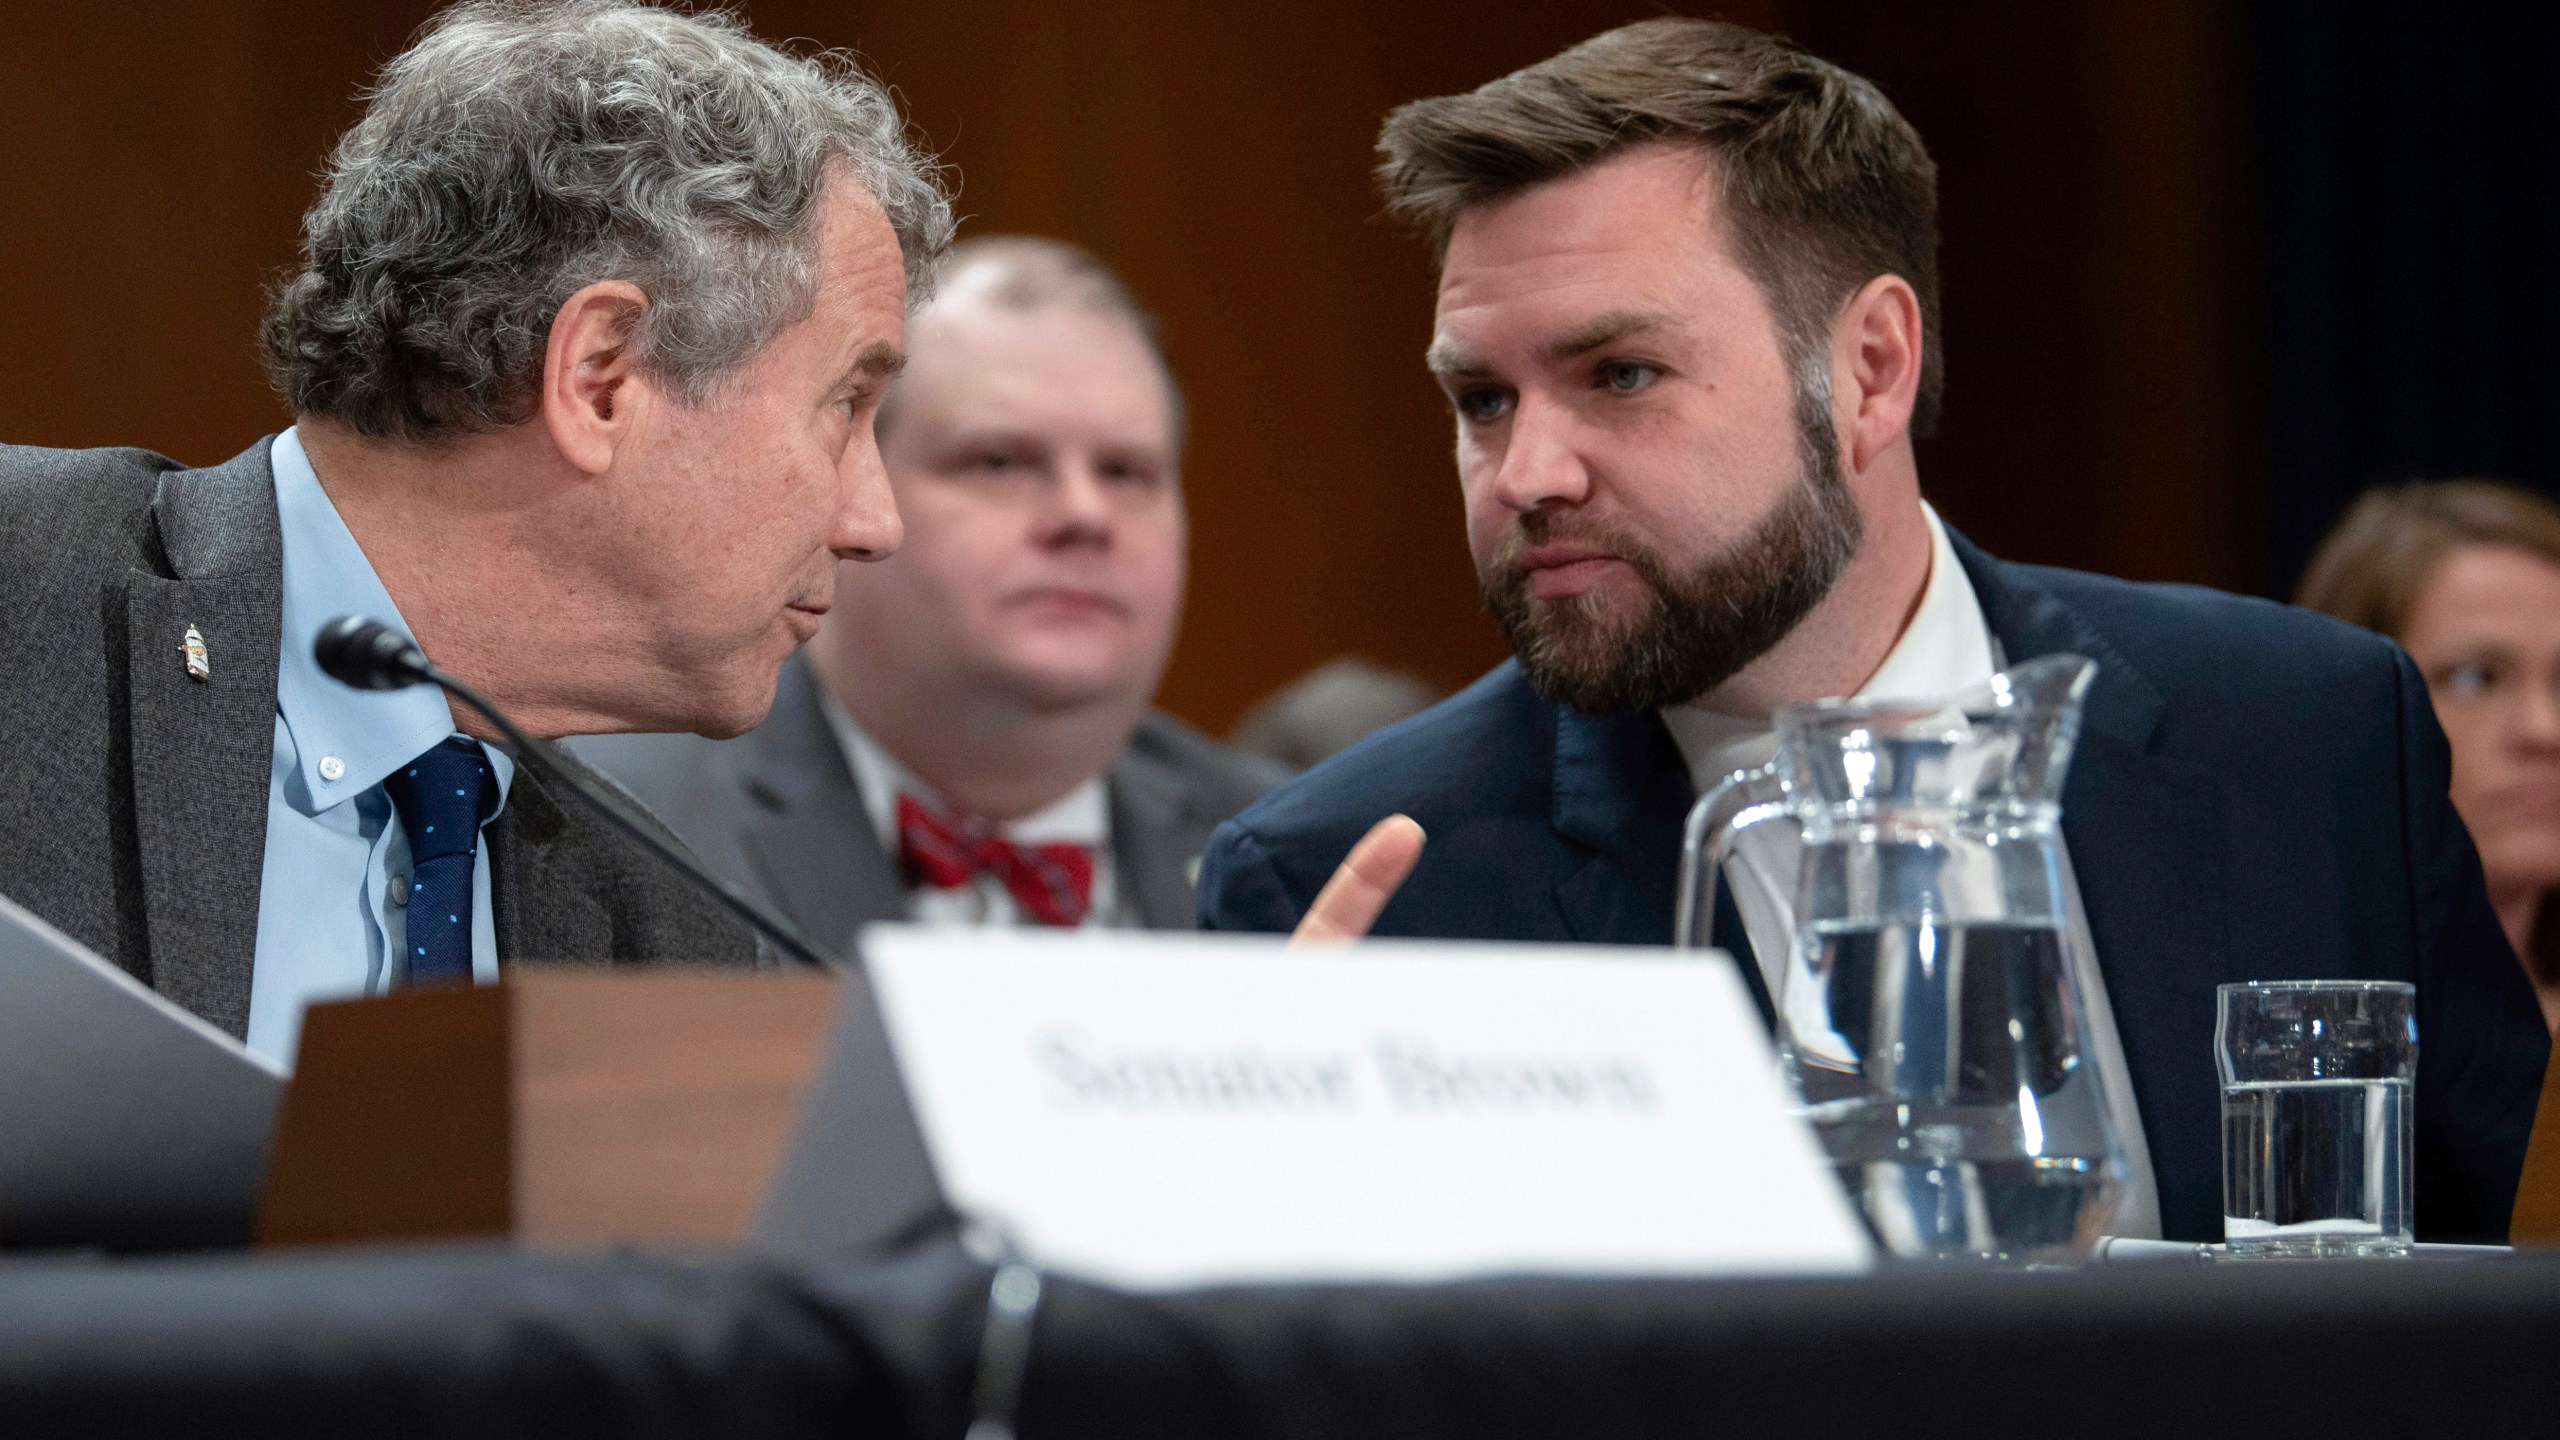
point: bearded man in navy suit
(1687, 325)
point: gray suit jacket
(777, 810)
(133, 805)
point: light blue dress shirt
(330, 918)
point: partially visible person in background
(2465, 574)
(968, 739)
(1328, 708)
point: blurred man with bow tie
(968, 739)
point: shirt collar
(1082, 816)
(345, 740)
(1947, 646)
(1945, 649)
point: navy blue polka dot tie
(442, 797)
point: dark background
(2209, 269)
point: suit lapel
(540, 912)
(1151, 843)
(810, 836)
(1621, 793)
(202, 749)
(2146, 837)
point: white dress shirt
(1948, 647)
(1080, 817)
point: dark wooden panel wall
(156, 162)
(2087, 158)
(159, 157)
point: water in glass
(2316, 1167)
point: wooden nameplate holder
(565, 1109)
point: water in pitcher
(2316, 1167)
(1939, 1064)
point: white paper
(1174, 1110)
(124, 1121)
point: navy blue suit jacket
(2259, 794)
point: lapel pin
(199, 666)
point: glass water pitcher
(1900, 870)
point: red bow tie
(1052, 883)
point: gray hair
(1035, 272)
(519, 152)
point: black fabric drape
(2408, 214)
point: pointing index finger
(1368, 877)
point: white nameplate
(1173, 1110)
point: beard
(1698, 627)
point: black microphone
(370, 655)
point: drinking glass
(2316, 1119)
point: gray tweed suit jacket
(133, 802)
(778, 811)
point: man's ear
(1876, 350)
(592, 393)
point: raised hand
(1349, 903)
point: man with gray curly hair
(597, 305)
